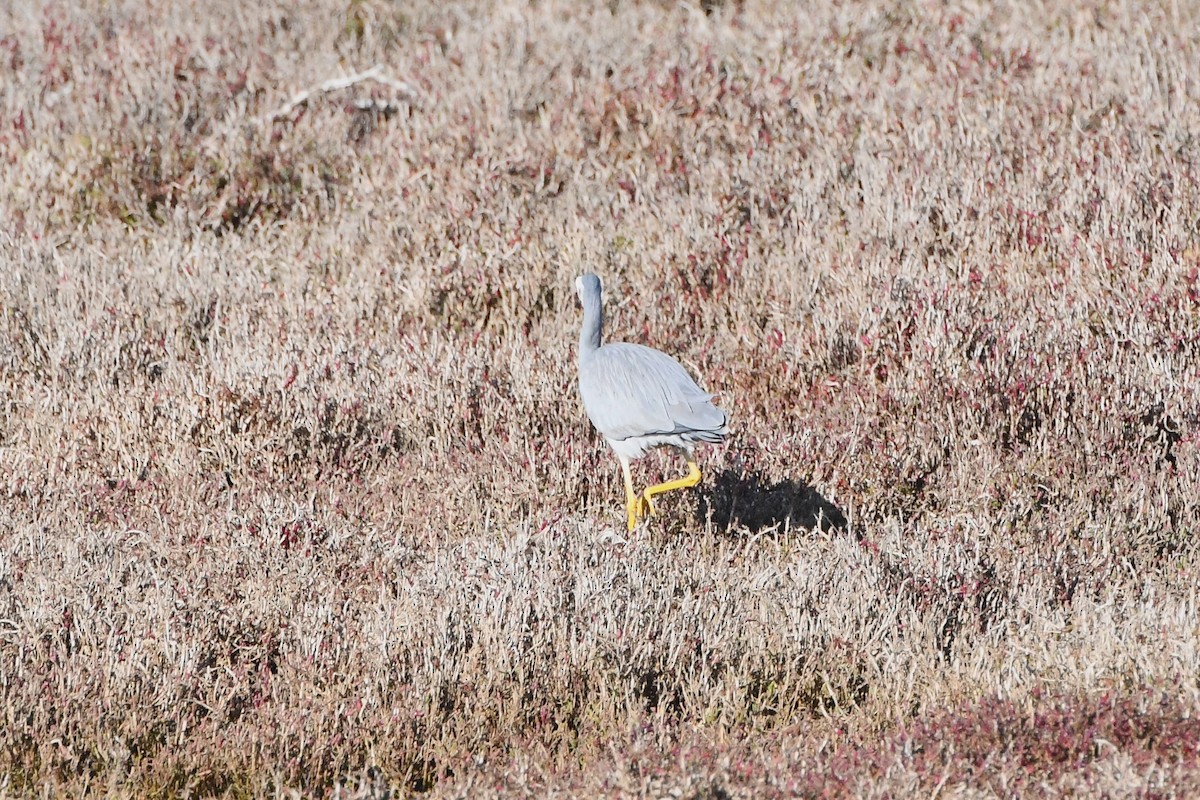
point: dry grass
(298, 497)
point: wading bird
(639, 399)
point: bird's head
(587, 286)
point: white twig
(375, 73)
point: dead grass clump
(296, 496)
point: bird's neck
(593, 322)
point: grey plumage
(640, 398)
(632, 391)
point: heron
(639, 399)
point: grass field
(297, 496)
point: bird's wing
(631, 390)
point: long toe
(646, 507)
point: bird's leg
(635, 506)
(691, 479)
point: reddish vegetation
(1011, 749)
(296, 495)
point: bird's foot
(637, 508)
(646, 506)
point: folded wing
(631, 390)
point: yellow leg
(692, 478)
(634, 506)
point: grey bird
(640, 398)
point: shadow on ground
(746, 500)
